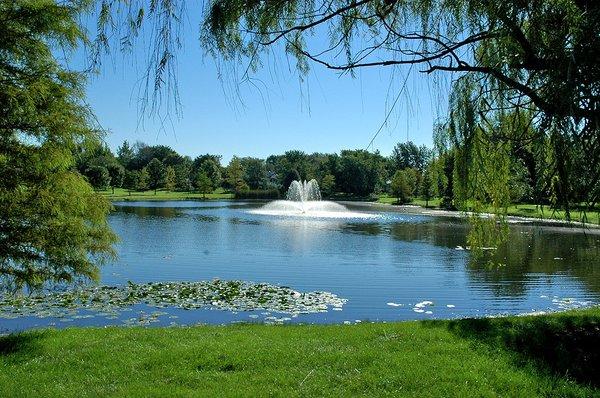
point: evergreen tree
(183, 173)
(125, 154)
(211, 168)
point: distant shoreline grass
(162, 195)
(548, 355)
(525, 210)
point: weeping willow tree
(53, 225)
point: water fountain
(303, 198)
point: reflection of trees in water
(444, 234)
(530, 251)
(150, 211)
(364, 228)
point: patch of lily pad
(110, 301)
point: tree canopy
(52, 224)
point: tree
(235, 175)
(327, 185)
(131, 180)
(428, 188)
(209, 166)
(290, 176)
(170, 178)
(183, 173)
(145, 153)
(53, 225)
(203, 184)
(255, 172)
(360, 172)
(408, 155)
(400, 187)
(157, 174)
(98, 177)
(413, 178)
(143, 180)
(125, 154)
(116, 173)
(506, 43)
(198, 161)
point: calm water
(384, 266)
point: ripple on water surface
(387, 265)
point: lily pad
(110, 301)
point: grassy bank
(555, 355)
(518, 210)
(546, 213)
(386, 199)
(123, 194)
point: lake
(389, 265)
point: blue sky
(325, 113)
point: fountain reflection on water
(303, 199)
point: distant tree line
(351, 173)
(410, 172)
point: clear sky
(325, 113)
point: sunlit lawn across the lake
(519, 210)
(550, 355)
(124, 194)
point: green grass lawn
(415, 201)
(531, 210)
(123, 194)
(555, 355)
(519, 210)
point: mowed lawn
(121, 194)
(519, 210)
(555, 355)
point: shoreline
(420, 210)
(408, 208)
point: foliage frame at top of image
(536, 58)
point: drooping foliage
(535, 60)
(52, 224)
